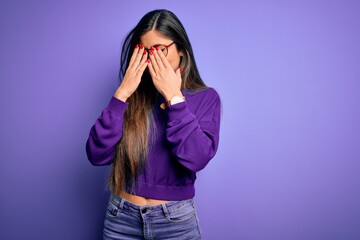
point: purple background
(288, 72)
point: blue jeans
(171, 220)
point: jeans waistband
(161, 209)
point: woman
(160, 127)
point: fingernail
(152, 48)
(144, 53)
(141, 46)
(157, 48)
(137, 45)
(148, 60)
(181, 69)
(151, 52)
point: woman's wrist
(169, 96)
(121, 95)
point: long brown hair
(132, 149)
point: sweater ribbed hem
(159, 192)
(177, 111)
(116, 106)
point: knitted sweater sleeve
(105, 133)
(194, 137)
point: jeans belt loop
(165, 210)
(121, 204)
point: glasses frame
(158, 45)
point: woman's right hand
(133, 74)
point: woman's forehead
(153, 38)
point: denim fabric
(172, 220)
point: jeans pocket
(112, 210)
(183, 214)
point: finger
(138, 57)
(153, 61)
(151, 68)
(178, 72)
(159, 62)
(142, 62)
(141, 68)
(164, 60)
(133, 56)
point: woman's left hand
(165, 79)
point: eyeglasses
(163, 48)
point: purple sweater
(187, 137)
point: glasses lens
(163, 49)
